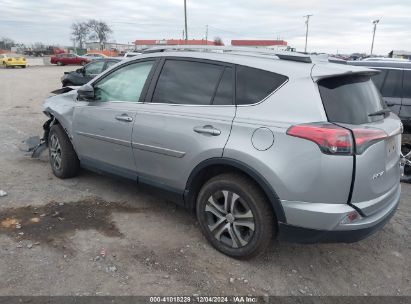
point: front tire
(235, 216)
(63, 159)
(59, 63)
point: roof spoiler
(284, 55)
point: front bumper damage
(36, 145)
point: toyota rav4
(259, 144)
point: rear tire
(235, 216)
(63, 159)
(59, 63)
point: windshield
(351, 99)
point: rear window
(350, 99)
(253, 85)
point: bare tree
(6, 43)
(80, 31)
(99, 30)
(218, 41)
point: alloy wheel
(55, 152)
(230, 219)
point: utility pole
(206, 36)
(306, 32)
(375, 22)
(185, 18)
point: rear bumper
(322, 226)
(305, 235)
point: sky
(335, 27)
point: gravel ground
(96, 235)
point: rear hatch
(353, 102)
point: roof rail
(284, 55)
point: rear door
(186, 120)
(353, 102)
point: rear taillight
(366, 137)
(330, 138)
(333, 139)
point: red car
(63, 59)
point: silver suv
(258, 144)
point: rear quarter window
(350, 99)
(253, 85)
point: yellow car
(12, 60)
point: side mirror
(80, 71)
(86, 92)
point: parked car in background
(257, 146)
(394, 83)
(12, 60)
(88, 72)
(66, 59)
(94, 56)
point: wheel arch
(214, 166)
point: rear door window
(350, 99)
(253, 85)
(187, 82)
(225, 90)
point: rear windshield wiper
(380, 112)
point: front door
(187, 121)
(102, 127)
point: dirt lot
(150, 245)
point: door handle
(124, 117)
(207, 130)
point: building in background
(109, 46)
(271, 44)
(400, 54)
(143, 44)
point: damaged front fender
(59, 109)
